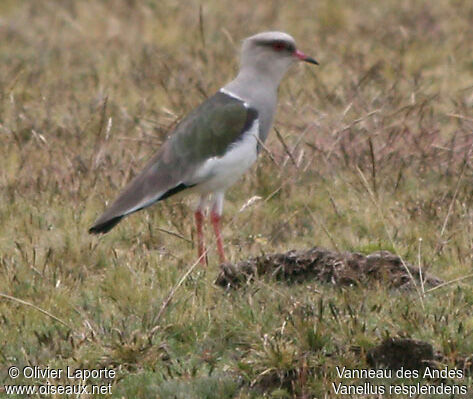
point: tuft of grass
(148, 385)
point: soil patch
(319, 264)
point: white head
(271, 54)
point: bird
(211, 148)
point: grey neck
(258, 91)
(250, 84)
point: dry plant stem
(45, 312)
(174, 234)
(267, 151)
(199, 220)
(171, 294)
(450, 207)
(419, 265)
(447, 283)
(345, 129)
(286, 148)
(373, 166)
(317, 221)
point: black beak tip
(311, 61)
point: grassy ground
(380, 137)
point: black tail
(107, 221)
(105, 227)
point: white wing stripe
(229, 93)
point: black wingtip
(105, 227)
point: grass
(375, 152)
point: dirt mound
(396, 353)
(347, 268)
(412, 354)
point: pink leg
(215, 218)
(199, 218)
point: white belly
(219, 173)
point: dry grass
(377, 154)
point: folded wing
(209, 131)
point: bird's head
(271, 53)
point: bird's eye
(278, 46)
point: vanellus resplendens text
(215, 144)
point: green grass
(381, 135)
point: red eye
(278, 46)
